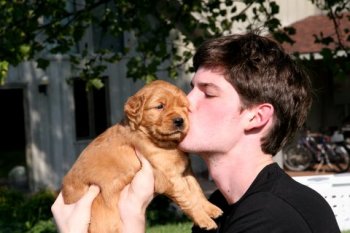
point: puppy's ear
(133, 110)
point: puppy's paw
(212, 210)
(207, 224)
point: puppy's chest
(162, 159)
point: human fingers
(144, 162)
(90, 195)
(143, 182)
(61, 212)
(139, 193)
(58, 202)
(135, 197)
(79, 219)
(74, 217)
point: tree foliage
(337, 59)
(152, 36)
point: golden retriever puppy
(156, 121)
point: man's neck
(233, 173)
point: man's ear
(133, 110)
(258, 116)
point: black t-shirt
(275, 203)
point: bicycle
(313, 149)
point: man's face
(215, 116)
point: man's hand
(135, 198)
(74, 218)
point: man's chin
(186, 147)
(183, 145)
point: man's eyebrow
(202, 85)
(206, 85)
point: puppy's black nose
(178, 122)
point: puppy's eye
(160, 106)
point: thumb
(90, 195)
(80, 219)
(145, 164)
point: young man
(248, 99)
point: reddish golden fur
(153, 126)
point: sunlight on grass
(173, 228)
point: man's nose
(190, 97)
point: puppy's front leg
(178, 190)
(212, 210)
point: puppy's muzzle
(178, 122)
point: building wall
(48, 120)
(50, 131)
(292, 11)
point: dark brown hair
(261, 72)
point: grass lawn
(183, 227)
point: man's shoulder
(261, 202)
(267, 212)
(264, 212)
(310, 213)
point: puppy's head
(160, 110)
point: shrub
(10, 201)
(20, 212)
(163, 211)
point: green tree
(162, 34)
(337, 59)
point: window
(91, 109)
